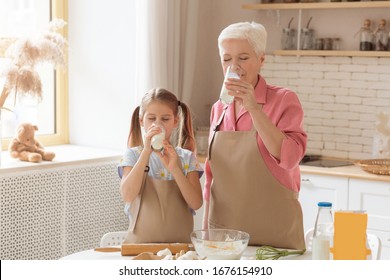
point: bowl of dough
(220, 244)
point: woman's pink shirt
(283, 108)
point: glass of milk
(225, 98)
(157, 140)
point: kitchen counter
(350, 171)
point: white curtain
(166, 45)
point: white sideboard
(349, 193)
(316, 188)
(374, 197)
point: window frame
(59, 9)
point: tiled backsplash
(341, 98)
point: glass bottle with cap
(323, 232)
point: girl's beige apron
(159, 214)
(246, 196)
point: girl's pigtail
(135, 135)
(186, 131)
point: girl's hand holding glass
(150, 133)
(169, 157)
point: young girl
(161, 188)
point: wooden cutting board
(135, 249)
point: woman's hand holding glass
(231, 72)
(243, 92)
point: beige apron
(159, 214)
(246, 196)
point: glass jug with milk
(323, 232)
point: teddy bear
(25, 147)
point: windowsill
(65, 155)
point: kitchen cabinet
(374, 197)
(325, 6)
(348, 193)
(316, 188)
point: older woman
(255, 146)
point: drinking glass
(225, 98)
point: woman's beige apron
(246, 196)
(159, 214)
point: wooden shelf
(320, 5)
(323, 5)
(332, 53)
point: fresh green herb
(271, 253)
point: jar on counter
(202, 138)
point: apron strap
(137, 202)
(215, 129)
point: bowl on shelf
(219, 244)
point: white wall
(101, 82)
(101, 78)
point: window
(24, 18)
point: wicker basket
(375, 166)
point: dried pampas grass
(25, 80)
(25, 53)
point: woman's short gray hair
(254, 32)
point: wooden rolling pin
(135, 249)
